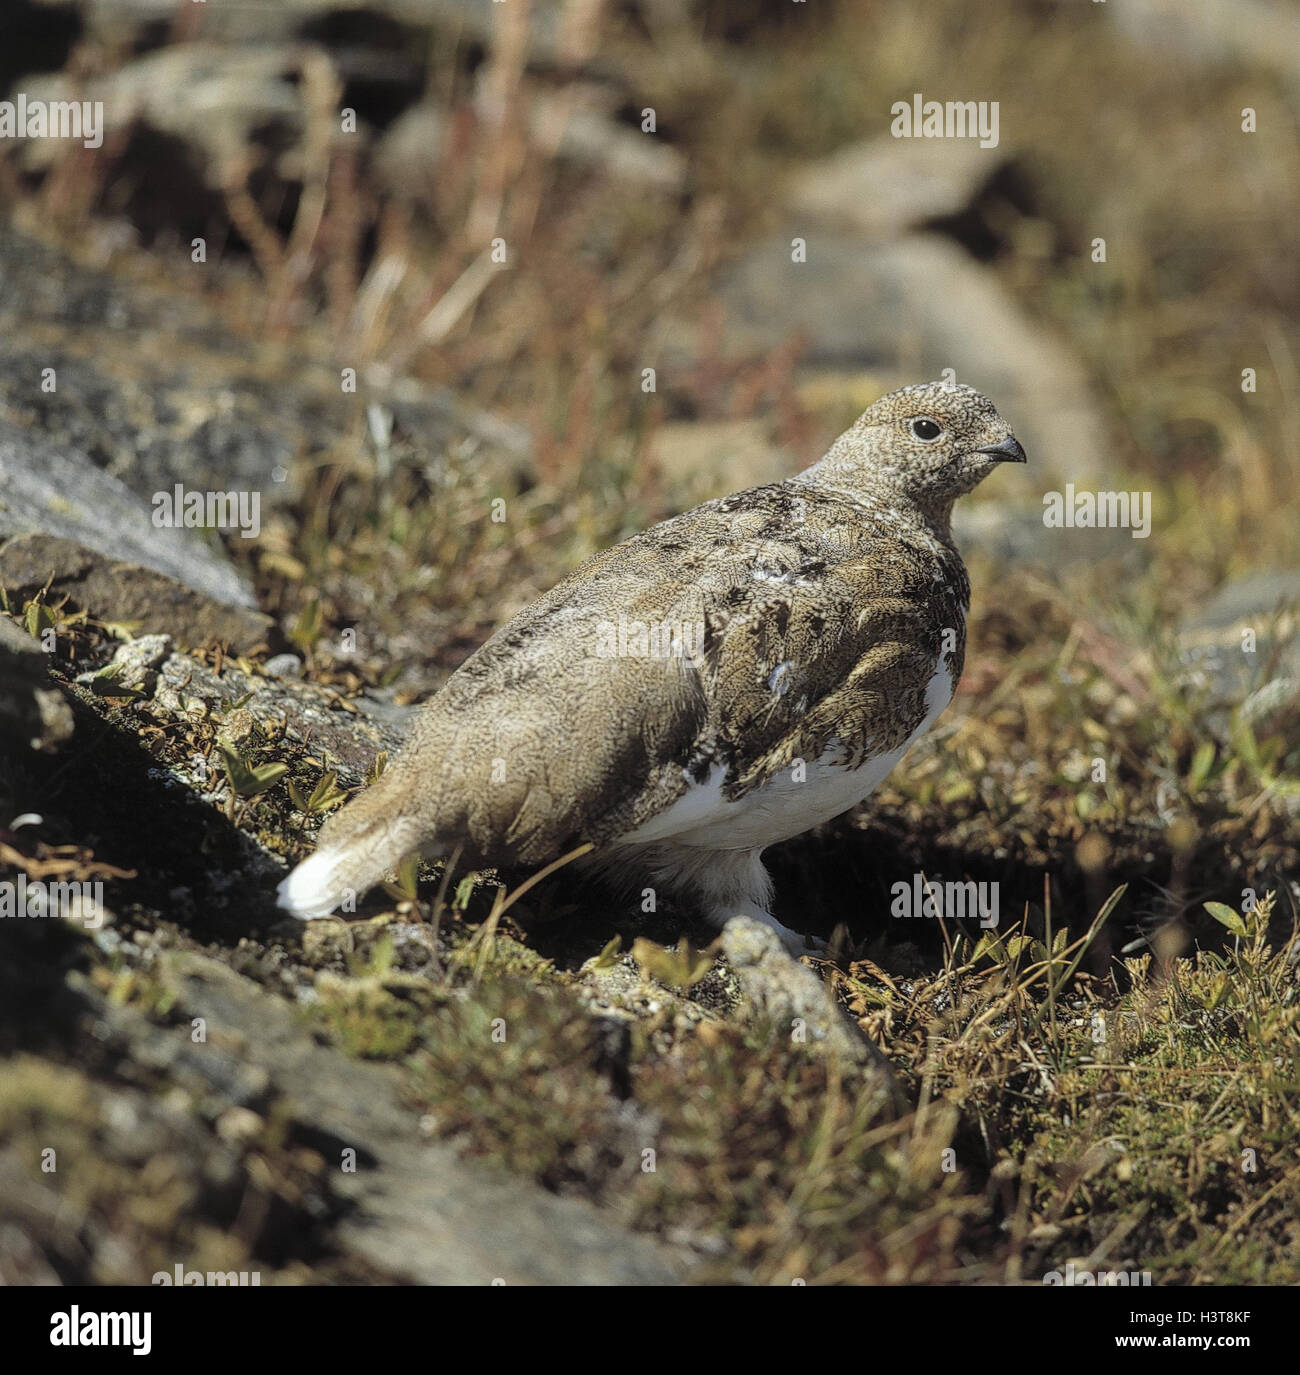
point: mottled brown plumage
(810, 627)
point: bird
(723, 681)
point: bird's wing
(842, 666)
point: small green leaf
(384, 957)
(990, 944)
(309, 626)
(325, 795)
(408, 876)
(321, 798)
(37, 617)
(406, 887)
(680, 968)
(249, 779)
(102, 685)
(1225, 916)
(608, 957)
(1202, 763)
(1218, 991)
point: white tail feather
(313, 889)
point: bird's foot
(794, 941)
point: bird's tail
(359, 846)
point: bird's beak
(1006, 450)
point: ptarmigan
(721, 682)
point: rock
(409, 153)
(886, 186)
(51, 491)
(137, 663)
(65, 523)
(623, 990)
(417, 1212)
(126, 1131)
(1008, 530)
(33, 712)
(125, 23)
(77, 300)
(593, 139)
(216, 101)
(1256, 599)
(1263, 684)
(784, 992)
(1246, 33)
(878, 304)
(344, 729)
(156, 389)
(283, 666)
(130, 21)
(161, 813)
(128, 594)
(145, 1097)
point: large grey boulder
(60, 495)
(67, 526)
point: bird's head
(929, 443)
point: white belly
(785, 805)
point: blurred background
(466, 291)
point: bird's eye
(926, 429)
